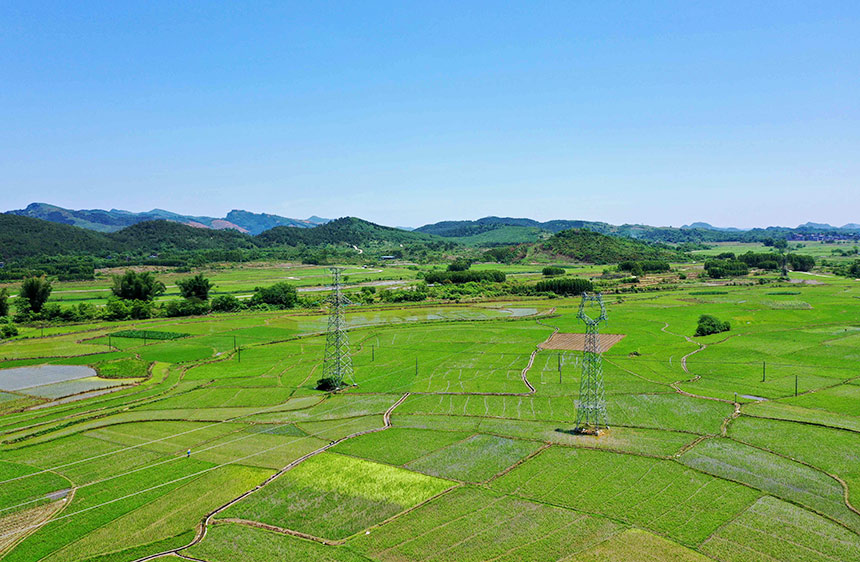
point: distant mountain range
(496, 231)
(116, 219)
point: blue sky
(406, 113)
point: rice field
(456, 442)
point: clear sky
(405, 113)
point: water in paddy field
(20, 378)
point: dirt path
(203, 526)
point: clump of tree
(134, 286)
(468, 276)
(564, 286)
(196, 287)
(552, 270)
(459, 264)
(279, 295)
(640, 267)
(34, 294)
(711, 325)
(720, 269)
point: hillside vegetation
(587, 246)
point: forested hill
(23, 237)
(349, 229)
(592, 247)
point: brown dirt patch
(576, 342)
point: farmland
(456, 442)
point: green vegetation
(550, 270)
(475, 465)
(567, 286)
(149, 335)
(334, 496)
(196, 287)
(475, 459)
(280, 295)
(592, 247)
(711, 325)
(655, 494)
(464, 276)
(134, 286)
(34, 294)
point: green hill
(22, 237)
(592, 247)
(347, 230)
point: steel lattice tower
(337, 363)
(591, 408)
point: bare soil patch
(576, 342)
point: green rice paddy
(733, 447)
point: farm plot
(771, 473)
(843, 399)
(639, 545)
(398, 446)
(451, 358)
(98, 505)
(223, 398)
(172, 514)
(228, 542)
(475, 459)
(576, 342)
(472, 524)
(28, 377)
(77, 386)
(663, 496)
(772, 530)
(334, 496)
(23, 487)
(633, 440)
(834, 450)
(788, 412)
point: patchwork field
(456, 443)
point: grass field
(442, 451)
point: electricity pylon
(591, 408)
(337, 362)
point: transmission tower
(591, 408)
(337, 363)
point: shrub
(551, 270)
(4, 302)
(711, 325)
(327, 384)
(226, 303)
(564, 286)
(8, 331)
(459, 264)
(280, 295)
(186, 307)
